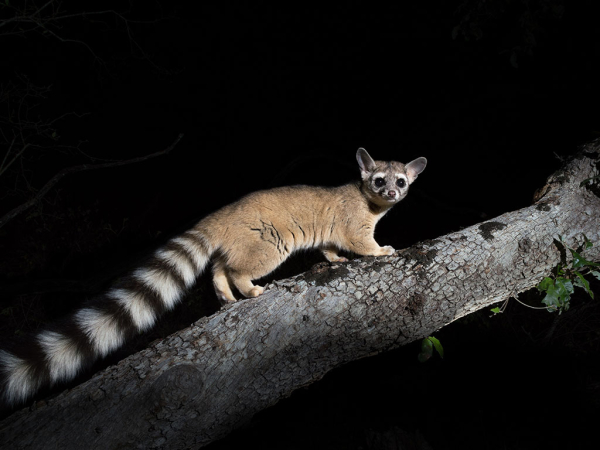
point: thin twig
(27, 20)
(4, 168)
(6, 154)
(529, 306)
(56, 178)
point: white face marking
(20, 382)
(102, 329)
(180, 263)
(64, 361)
(162, 283)
(195, 250)
(141, 312)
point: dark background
(493, 93)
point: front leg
(366, 246)
(386, 250)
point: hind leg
(243, 283)
(257, 259)
(221, 283)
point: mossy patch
(422, 253)
(543, 207)
(487, 229)
(323, 273)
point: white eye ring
(401, 182)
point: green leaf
(551, 298)
(427, 346)
(580, 261)
(588, 243)
(545, 284)
(496, 310)
(583, 283)
(564, 288)
(596, 274)
(437, 345)
(426, 350)
(588, 180)
(564, 285)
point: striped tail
(131, 306)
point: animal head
(385, 183)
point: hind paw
(255, 291)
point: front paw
(387, 250)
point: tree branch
(200, 383)
(30, 18)
(83, 167)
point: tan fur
(245, 240)
(254, 235)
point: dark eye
(400, 182)
(379, 182)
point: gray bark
(200, 383)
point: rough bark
(202, 382)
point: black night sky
(493, 93)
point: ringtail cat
(245, 240)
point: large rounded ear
(414, 168)
(365, 162)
